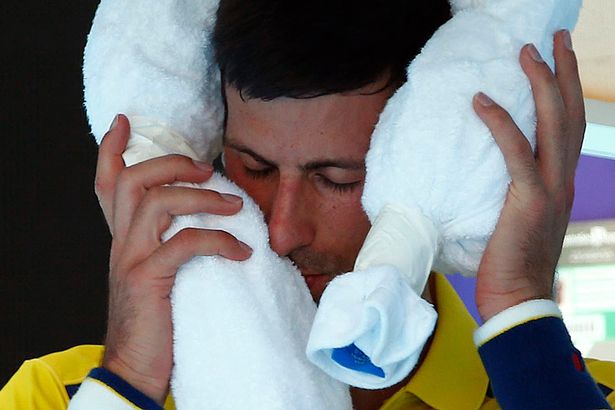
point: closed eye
(259, 173)
(337, 187)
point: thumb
(110, 164)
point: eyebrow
(312, 165)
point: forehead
(290, 129)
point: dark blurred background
(53, 265)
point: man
(304, 90)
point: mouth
(316, 283)
(316, 280)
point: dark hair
(287, 48)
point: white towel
(436, 180)
(153, 59)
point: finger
(162, 203)
(133, 183)
(551, 141)
(154, 214)
(110, 164)
(515, 148)
(186, 244)
(567, 74)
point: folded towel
(436, 181)
(362, 336)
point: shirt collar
(451, 375)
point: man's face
(303, 162)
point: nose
(289, 219)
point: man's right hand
(138, 209)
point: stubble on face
(283, 135)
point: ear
(458, 5)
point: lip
(316, 279)
(317, 283)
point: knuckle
(177, 160)
(208, 242)
(500, 117)
(101, 187)
(125, 177)
(186, 238)
(153, 195)
(105, 139)
(520, 148)
(156, 192)
(129, 185)
(195, 241)
(223, 237)
(189, 242)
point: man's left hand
(520, 259)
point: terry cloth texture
(153, 58)
(431, 151)
(245, 323)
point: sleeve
(104, 390)
(532, 363)
(34, 386)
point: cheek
(344, 225)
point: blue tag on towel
(353, 358)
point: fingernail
(534, 53)
(484, 100)
(202, 165)
(233, 199)
(245, 247)
(114, 122)
(567, 39)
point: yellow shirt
(450, 377)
